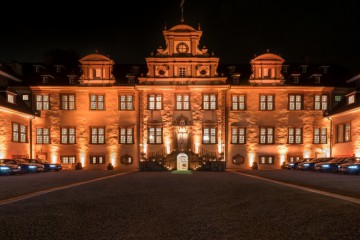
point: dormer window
(11, 98)
(71, 80)
(96, 73)
(296, 79)
(25, 97)
(324, 69)
(285, 68)
(45, 79)
(131, 81)
(303, 68)
(337, 98)
(59, 68)
(37, 68)
(317, 79)
(351, 99)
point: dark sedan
(350, 168)
(310, 165)
(47, 166)
(8, 169)
(293, 165)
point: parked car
(293, 165)
(47, 166)
(310, 165)
(8, 169)
(24, 166)
(350, 168)
(332, 165)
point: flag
(182, 3)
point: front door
(182, 162)
(182, 140)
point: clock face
(182, 48)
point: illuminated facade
(183, 110)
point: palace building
(183, 109)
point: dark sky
(321, 31)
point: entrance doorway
(182, 162)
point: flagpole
(182, 10)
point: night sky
(318, 31)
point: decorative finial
(97, 51)
(199, 26)
(267, 50)
(182, 10)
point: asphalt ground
(161, 205)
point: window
(293, 158)
(351, 99)
(238, 102)
(182, 102)
(97, 102)
(320, 135)
(97, 159)
(42, 102)
(67, 101)
(209, 102)
(19, 133)
(11, 98)
(155, 135)
(294, 135)
(267, 160)
(68, 159)
(126, 102)
(266, 102)
(42, 136)
(126, 136)
(97, 135)
(68, 135)
(266, 135)
(25, 97)
(317, 79)
(296, 79)
(343, 133)
(295, 102)
(338, 98)
(155, 102)
(238, 135)
(96, 73)
(182, 72)
(209, 135)
(321, 102)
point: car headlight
(306, 164)
(32, 167)
(325, 166)
(52, 165)
(353, 167)
(291, 164)
(4, 168)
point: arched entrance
(182, 162)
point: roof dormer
(46, 77)
(324, 68)
(97, 70)
(316, 77)
(266, 70)
(59, 68)
(38, 68)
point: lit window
(126, 102)
(67, 101)
(68, 159)
(25, 97)
(11, 98)
(295, 102)
(97, 102)
(266, 135)
(343, 132)
(293, 158)
(320, 135)
(42, 136)
(294, 135)
(126, 136)
(238, 135)
(266, 102)
(209, 135)
(238, 102)
(182, 102)
(155, 102)
(338, 98)
(68, 135)
(97, 135)
(351, 99)
(19, 133)
(209, 101)
(266, 160)
(42, 102)
(97, 159)
(155, 135)
(320, 102)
